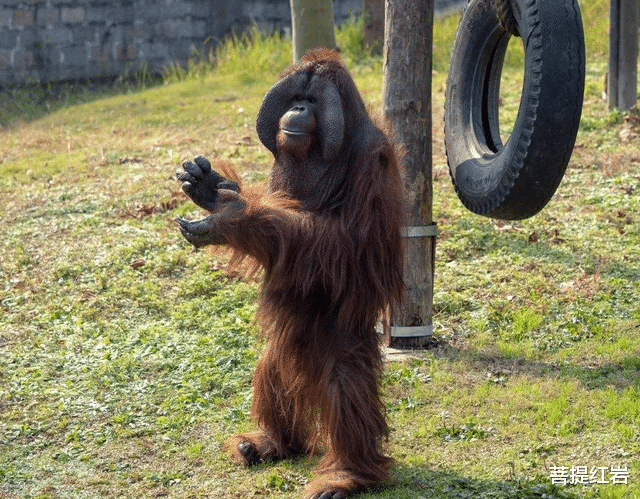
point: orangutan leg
(353, 415)
(282, 419)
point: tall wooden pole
(406, 101)
(623, 53)
(311, 26)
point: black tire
(514, 180)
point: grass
(126, 358)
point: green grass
(126, 358)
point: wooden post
(311, 26)
(406, 102)
(623, 53)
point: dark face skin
(300, 163)
(298, 127)
(301, 122)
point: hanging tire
(514, 180)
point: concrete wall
(52, 40)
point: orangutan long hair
(326, 231)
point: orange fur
(332, 267)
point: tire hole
(511, 87)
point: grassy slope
(125, 358)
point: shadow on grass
(30, 101)
(419, 482)
(618, 375)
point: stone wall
(54, 40)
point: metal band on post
(430, 230)
(411, 331)
(420, 231)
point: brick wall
(53, 40)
